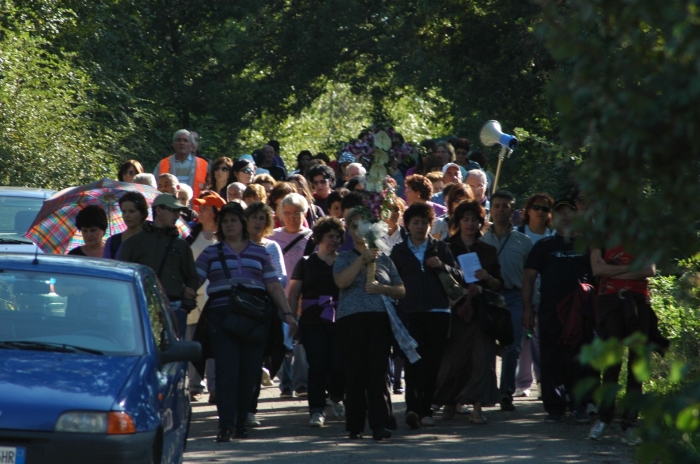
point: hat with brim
(568, 202)
(213, 199)
(448, 166)
(169, 201)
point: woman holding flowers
(364, 331)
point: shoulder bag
(248, 316)
(494, 316)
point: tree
(627, 92)
(45, 140)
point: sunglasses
(546, 209)
(247, 171)
(221, 168)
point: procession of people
(458, 278)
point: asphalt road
(519, 437)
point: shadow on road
(519, 436)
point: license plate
(10, 455)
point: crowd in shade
(462, 280)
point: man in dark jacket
(159, 246)
(426, 306)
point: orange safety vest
(200, 173)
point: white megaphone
(491, 134)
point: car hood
(36, 387)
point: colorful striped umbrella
(54, 229)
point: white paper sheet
(469, 262)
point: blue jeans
(294, 371)
(181, 316)
(509, 364)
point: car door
(174, 402)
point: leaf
(688, 419)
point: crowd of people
(340, 337)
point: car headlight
(111, 423)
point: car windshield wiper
(14, 241)
(43, 346)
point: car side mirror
(181, 351)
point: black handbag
(248, 316)
(494, 317)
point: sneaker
(302, 393)
(286, 394)
(251, 420)
(597, 430)
(521, 393)
(317, 420)
(552, 419)
(435, 407)
(338, 409)
(428, 421)
(464, 409)
(266, 380)
(398, 390)
(582, 417)
(630, 437)
(412, 420)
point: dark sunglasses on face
(221, 168)
(546, 209)
(247, 171)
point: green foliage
(337, 115)
(669, 406)
(626, 91)
(45, 137)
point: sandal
(477, 420)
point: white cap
(449, 165)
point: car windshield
(16, 215)
(68, 313)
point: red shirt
(617, 256)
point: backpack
(577, 312)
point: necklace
(209, 236)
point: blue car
(91, 370)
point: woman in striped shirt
(237, 362)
